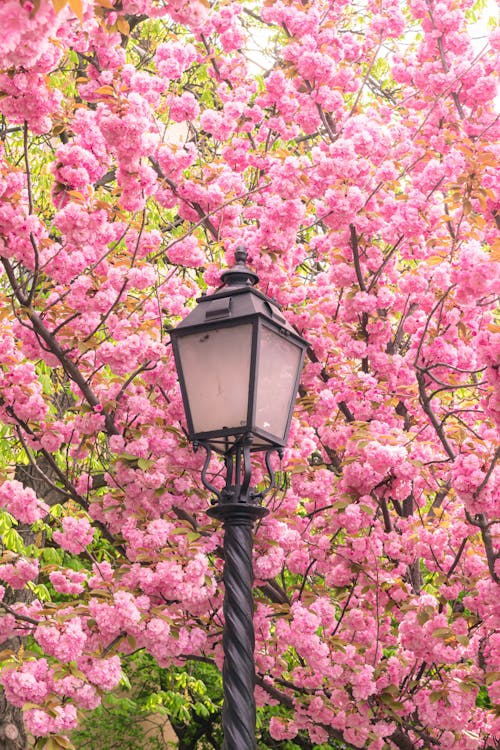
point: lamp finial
(240, 254)
(239, 274)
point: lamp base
(237, 514)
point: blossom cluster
(139, 148)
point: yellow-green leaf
(62, 741)
(441, 633)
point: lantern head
(239, 363)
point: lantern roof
(236, 299)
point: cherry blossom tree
(357, 160)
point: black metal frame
(262, 440)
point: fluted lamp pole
(239, 363)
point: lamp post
(239, 364)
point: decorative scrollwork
(238, 475)
(204, 470)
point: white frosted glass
(216, 369)
(279, 361)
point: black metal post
(210, 328)
(238, 512)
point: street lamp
(239, 364)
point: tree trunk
(12, 734)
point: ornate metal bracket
(238, 475)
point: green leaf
(125, 682)
(52, 556)
(13, 541)
(41, 591)
(6, 521)
(46, 383)
(442, 633)
(437, 695)
(425, 614)
(126, 457)
(56, 510)
(62, 741)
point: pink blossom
(66, 642)
(476, 274)
(82, 693)
(26, 97)
(173, 58)
(270, 564)
(282, 730)
(184, 107)
(19, 573)
(104, 673)
(40, 723)
(186, 252)
(22, 502)
(31, 682)
(193, 14)
(26, 36)
(215, 124)
(68, 581)
(76, 534)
